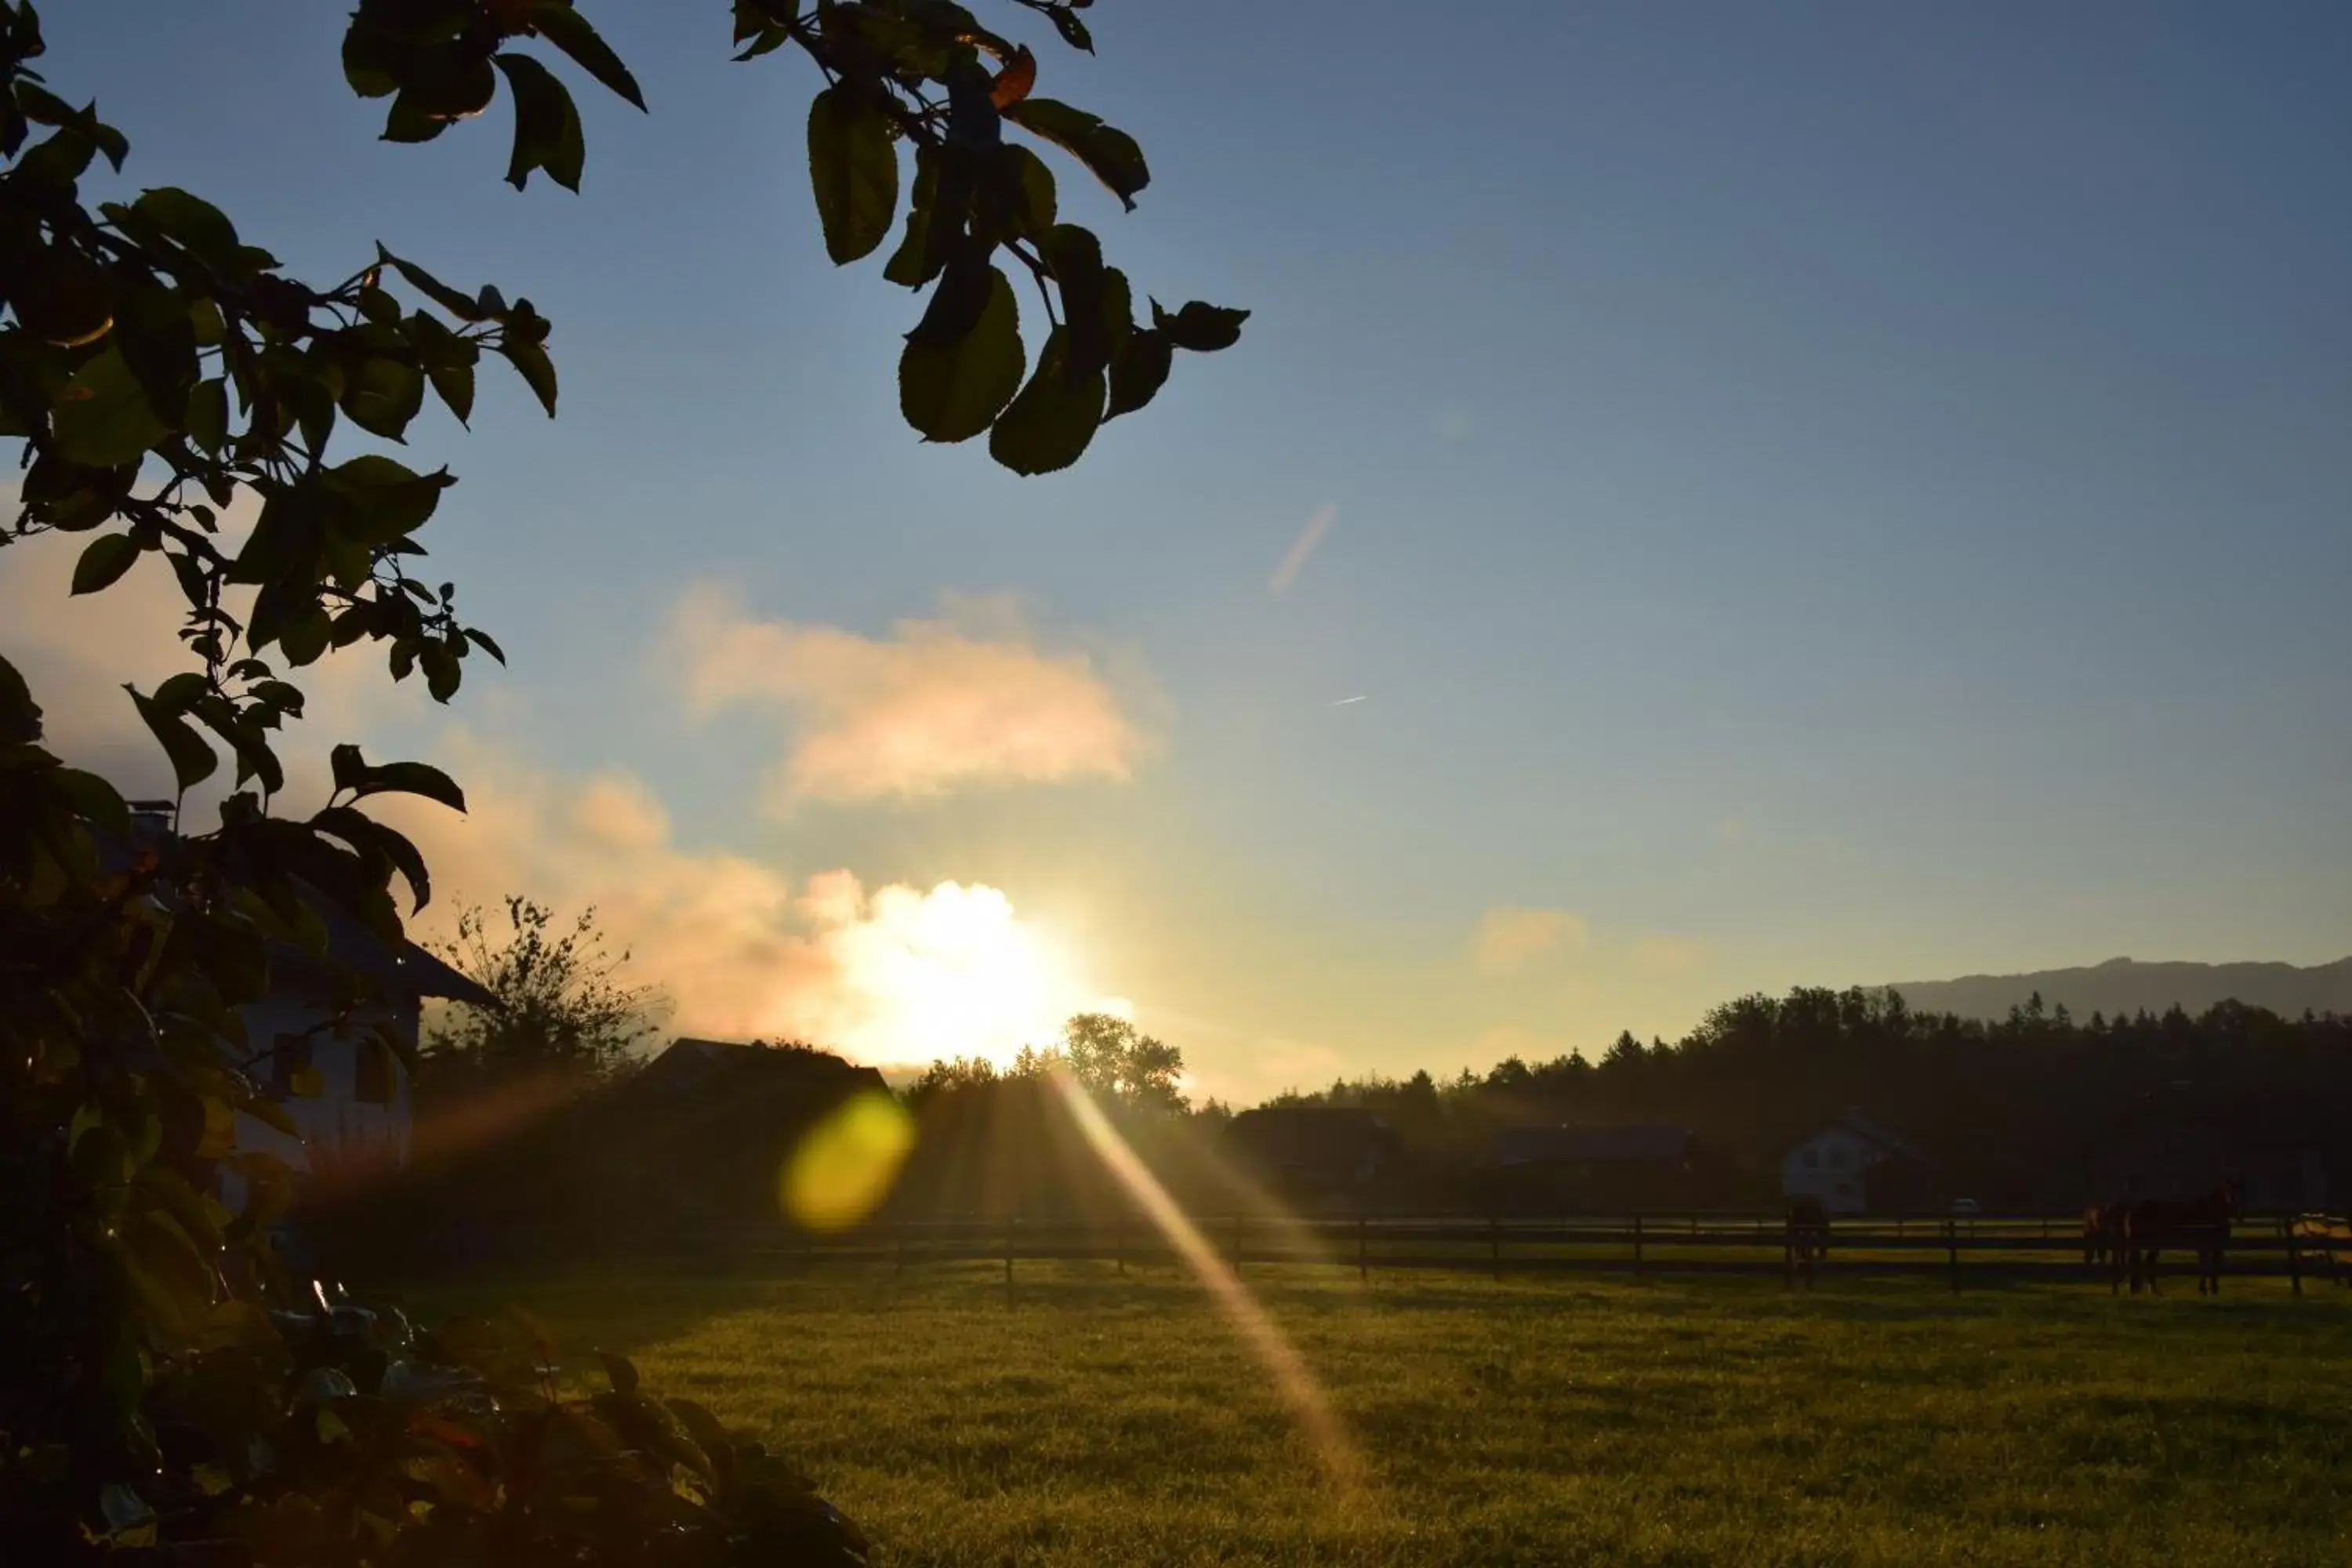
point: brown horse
(1808, 1239)
(2103, 1228)
(2199, 1225)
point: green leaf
(103, 418)
(103, 561)
(547, 125)
(410, 778)
(20, 716)
(376, 500)
(1138, 369)
(1110, 154)
(621, 1371)
(567, 30)
(192, 221)
(461, 306)
(951, 391)
(1049, 425)
(1203, 329)
(193, 761)
(384, 396)
(537, 370)
(207, 415)
(852, 171)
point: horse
(2103, 1226)
(1808, 1239)
(2201, 1225)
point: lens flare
(842, 1167)
(1292, 1379)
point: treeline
(2036, 1109)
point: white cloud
(966, 698)
(1509, 938)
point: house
(1857, 1165)
(1597, 1167)
(1314, 1149)
(318, 1043)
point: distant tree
(1625, 1054)
(563, 1009)
(946, 1075)
(1112, 1060)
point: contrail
(1345, 700)
(1302, 547)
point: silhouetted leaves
(852, 171)
(1047, 427)
(1110, 154)
(952, 385)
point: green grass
(1097, 1419)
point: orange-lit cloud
(1509, 938)
(738, 947)
(965, 698)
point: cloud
(1302, 548)
(741, 948)
(1511, 938)
(1662, 957)
(966, 698)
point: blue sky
(1822, 494)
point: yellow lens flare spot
(842, 1167)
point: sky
(1709, 497)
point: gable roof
(1871, 1130)
(689, 1065)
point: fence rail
(1982, 1249)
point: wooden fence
(1962, 1251)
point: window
(289, 1054)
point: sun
(956, 972)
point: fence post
(1494, 1243)
(1952, 1241)
(1637, 1247)
(1011, 1223)
(2293, 1255)
(1363, 1261)
(1237, 1244)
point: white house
(1852, 1158)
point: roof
(690, 1064)
(1876, 1132)
(1575, 1145)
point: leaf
(1203, 329)
(104, 561)
(207, 415)
(951, 391)
(384, 396)
(1049, 425)
(567, 30)
(378, 500)
(410, 778)
(193, 761)
(537, 370)
(1074, 32)
(1110, 154)
(103, 418)
(621, 1371)
(1016, 80)
(1138, 369)
(547, 125)
(194, 222)
(461, 306)
(853, 172)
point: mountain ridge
(2128, 985)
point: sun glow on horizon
(956, 971)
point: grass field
(1097, 1419)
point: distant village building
(1314, 1149)
(1597, 1168)
(1857, 1165)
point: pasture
(1094, 1418)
